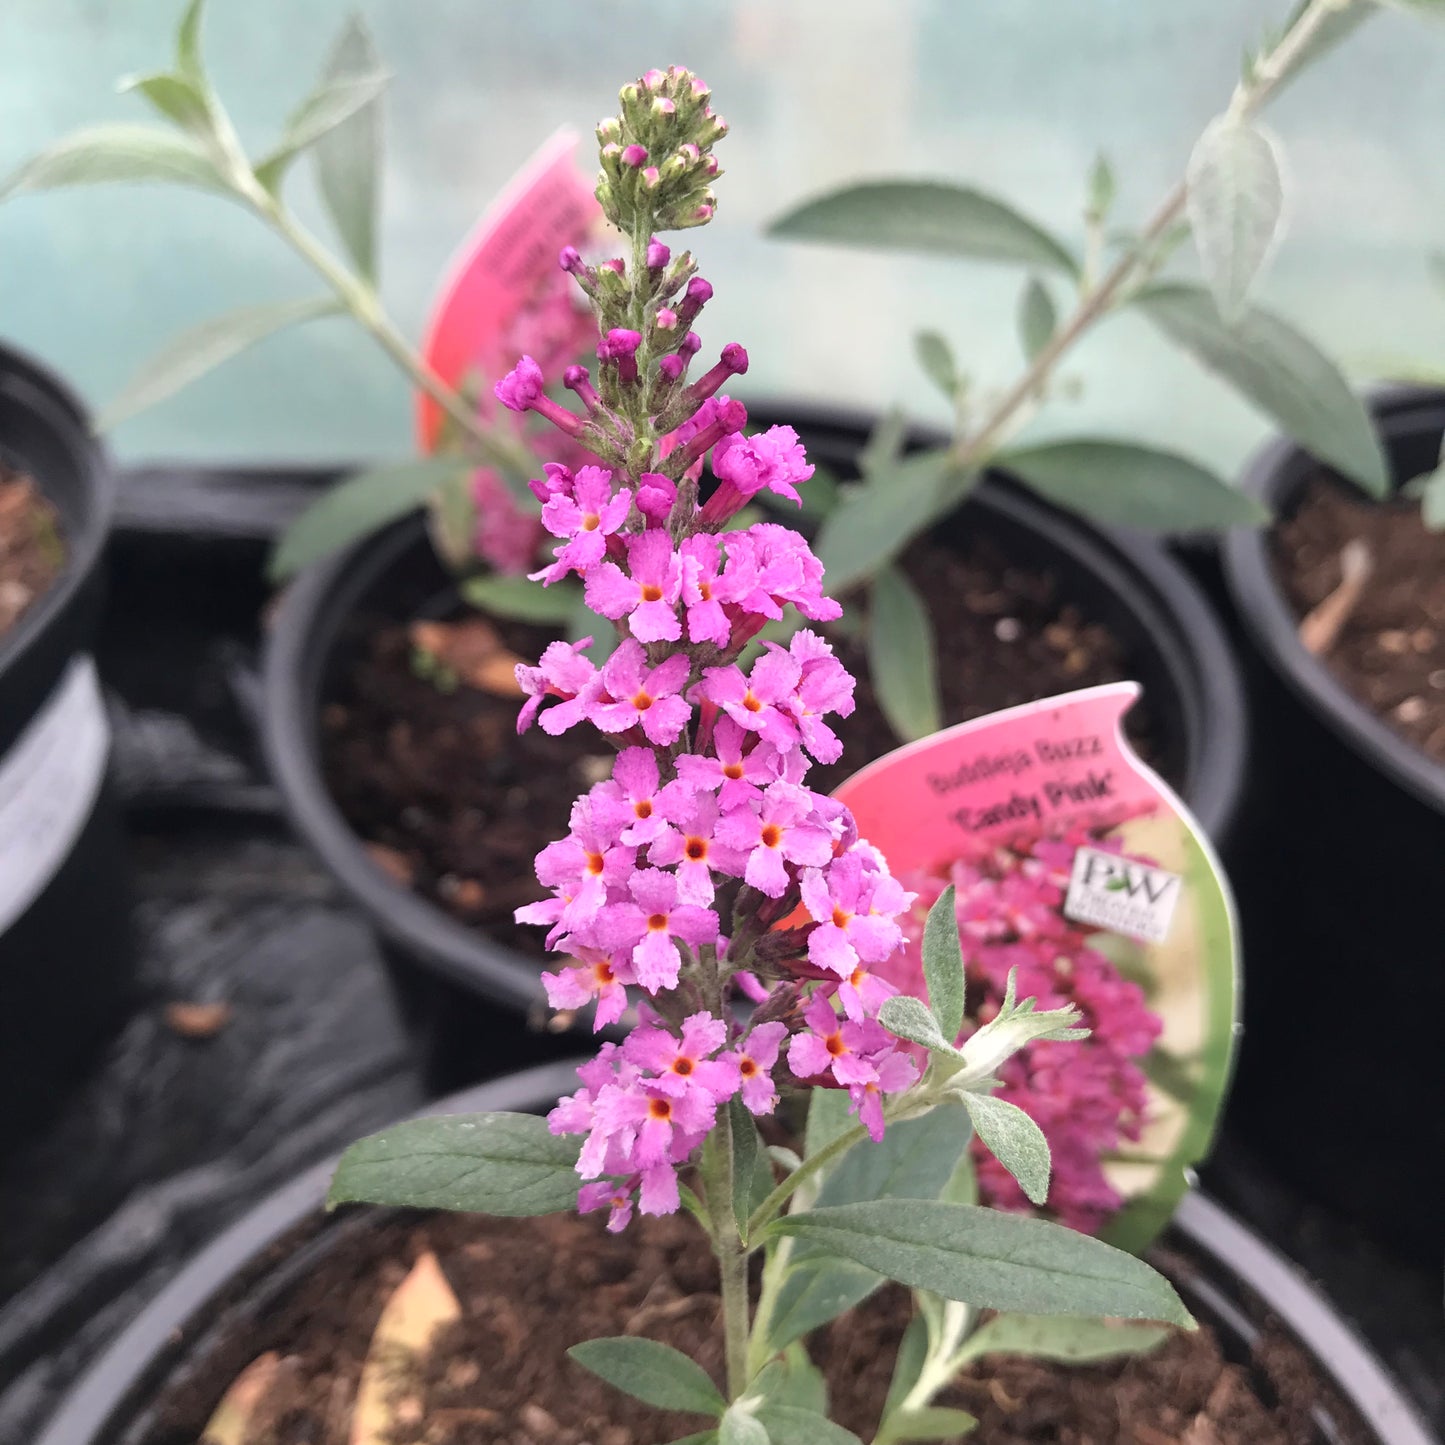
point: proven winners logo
(1122, 896)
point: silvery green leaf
(1014, 1140)
(1122, 484)
(817, 1290)
(990, 1259)
(907, 1363)
(828, 1118)
(200, 349)
(106, 153)
(788, 1425)
(928, 217)
(1102, 189)
(503, 1164)
(884, 447)
(1014, 1027)
(523, 600)
(914, 1160)
(935, 356)
(651, 1372)
(741, 1426)
(1280, 371)
(1037, 318)
(355, 508)
(1235, 201)
(176, 97)
(342, 94)
(747, 1150)
(1062, 1337)
(188, 42)
(930, 1422)
(943, 964)
(902, 661)
(802, 1385)
(910, 1018)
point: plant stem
(361, 300)
(732, 1258)
(974, 449)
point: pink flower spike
(641, 696)
(755, 1059)
(648, 598)
(781, 831)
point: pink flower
(706, 620)
(826, 686)
(628, 800)
(746, 465)
(561, 672)
(651, 923)
(855, 911)
(598, 977)
(606, 1194)
(582, 866)
(754, 1059)
(658, 1125)
(739, 774)
(684, 1066)
(586, 519)
(691, 844)
(648, 597)
(655, 497)
(641, 696)
(835, 1047)
(781, 830)
(519, 389)
(896, 1072)
(762, 701)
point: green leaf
(1101, 190)
(747, 1150)
(914, 1160)
(355, 508)
(337, 98)
(907, 1363)
(174, 96)
(104, 153)
(935, 356)
(740, 1426)
(188, 42)
(1234, 201)
(1432, 501)
(910, 1018)
(902, 662)
(1014, 1140)
(828, 1118)
(651, 1372)
(884, 447)
(877, 518)
(504, 1164)
(817, 1290)
(925, 216)
(1281, 372)
(1037, 318)
(1426, 9)
(788, 1425)
(802, 1384)
(943, 964)
(1328, 33)
(989, 1259)
(1122, 484)
(200, 349)
(523, 600)
(931, 1422)
(1062, 1337)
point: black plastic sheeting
(172, 1137)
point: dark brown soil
(529, 1289)
(1390, 653)
(31, 552)
(456, 805)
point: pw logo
(1122, 895)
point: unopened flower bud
(691, 344)
(666, 319)
(662, 107)
(672, 367)
(609, 131)
(634, 155)
(657, 255)
(651, 178)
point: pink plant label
(504, 293)
(1064, 845)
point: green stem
(973, 450)
(361, 300)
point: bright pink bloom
(856, 912)
(605, 1194)
(739, 773)
(781, 830)
(655, 497)
(754, 1059)
(561, 672)
(706, 620)
(691, 844)
(599, 977)
(826, 686)
(629, 799)
(682, 1066)
(652, 922)
(896, 1073)
(746, 465)
(836, 1047)
(769, 566)
(648, 597)
(585, 519)
(641, 696)
(762, 701)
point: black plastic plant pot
(65, 964)
(1337, 868)
(228, 1297)
(465, 992)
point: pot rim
(1201, 666)
(42, 390)
(1275, 474)
(146, 1348)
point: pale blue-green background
(1016, 95)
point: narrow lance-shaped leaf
(188, 42)
(943, 964)
(914, 1160)
(925, 216)
(652, 1372)
(503, 1164)
(524, 601)
(989, 1259)
(355, 508)
(1101, 190)
(334, 101)
(816, 1291)
(1282, 372)
(177, 98)
(1037, 318)
(1062, 1337)
(788, 1425)
(746, 1151)
(1234, 202)
(935, 356)
(910, 1018)
(741, 1426)
(930, 1422)
(190, 355)
(1014, 1140)
(1122, 484)
(348, 158)
(902, 658)
(122, 153)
